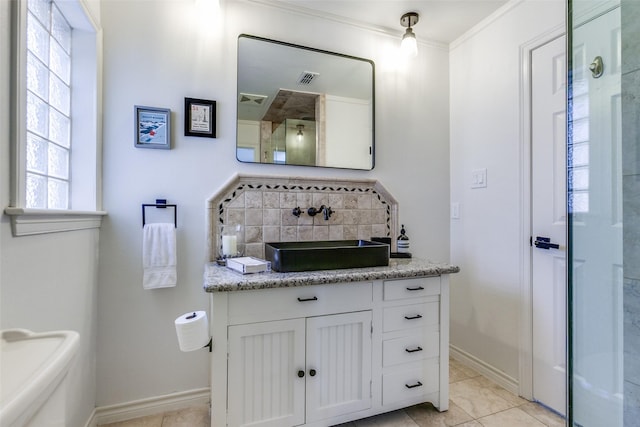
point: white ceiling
(440, 20)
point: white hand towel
(159, 255)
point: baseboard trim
(497, 376)
(150, 406)
(92, 421)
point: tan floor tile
(150, 421)
(543, 415)
(500, 391)
(426, 415)
(390, 419)
(459, 372)
(510, 418)
(470, 424)
(196, 416)
(475, 399)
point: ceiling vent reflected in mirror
(252, 99)
(307, 77)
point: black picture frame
(199, 117)
(152, 127)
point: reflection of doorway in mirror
(300, 142)
(248, 149)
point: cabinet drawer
(410, 316)
(411, 383)
(411, 288)
(410, 348)
(303, 301)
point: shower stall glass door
(596, 275)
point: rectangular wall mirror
(303, 106)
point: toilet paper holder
(210, 344)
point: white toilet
(33, 371)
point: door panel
(548, 202)
(339, 353)
(264, 387)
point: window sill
(28, 222)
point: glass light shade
(409, 45)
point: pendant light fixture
(409, 45)
(300, 133)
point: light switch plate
(479, 178)
(455, 210)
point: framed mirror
(303, 106)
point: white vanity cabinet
(325, 354)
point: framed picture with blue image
(152, 127)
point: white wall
(485, 133)
(48, 282)
(158, 53)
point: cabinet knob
(300, 374)
(312, 372)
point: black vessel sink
(326, 255)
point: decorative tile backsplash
(259, 209)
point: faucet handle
(296, 211)
(327, 212)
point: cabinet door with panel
(338, 364)
(266, 374)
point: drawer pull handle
(301, 374)
(307, 299)
(413, 350)
(417, 316)
(419, 288)
(417, 384)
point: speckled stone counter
(221, 279)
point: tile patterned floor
(474, 401)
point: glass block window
(48, 115)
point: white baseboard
(150, 406)
(495, 375)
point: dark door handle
(307, 299)
(417, 384)
(301, 373)
(312, 372)
(545, 243)
(417, 316)
(413, 350)
(419, 288)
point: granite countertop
(222, 279)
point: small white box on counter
(248, 264)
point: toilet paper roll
(193, 330)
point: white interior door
(549, 222)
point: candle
(229, 246)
